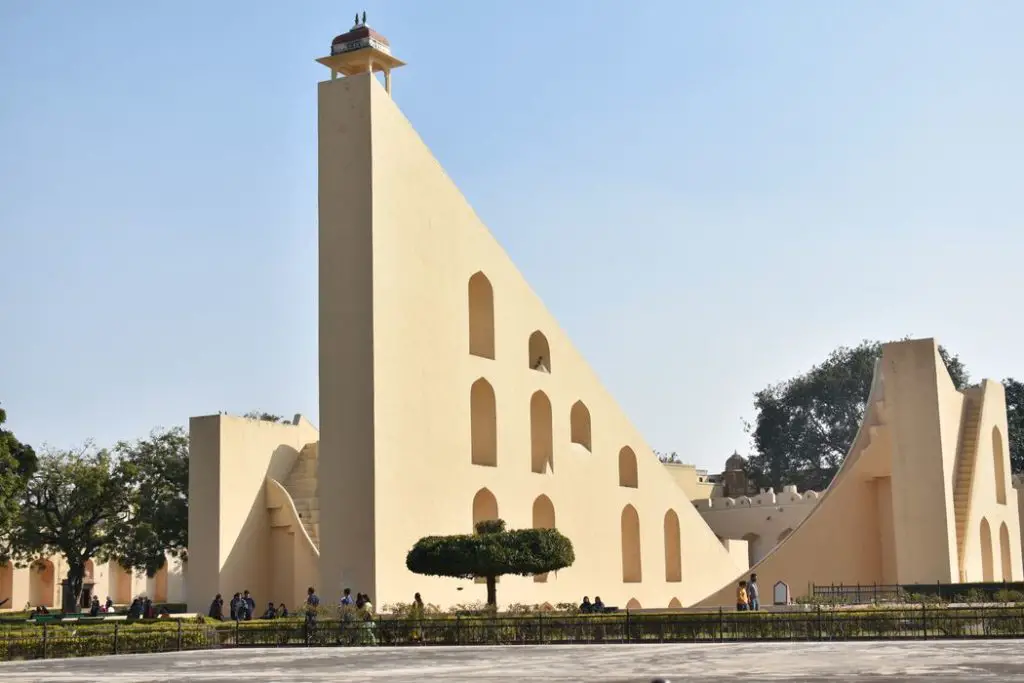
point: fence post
(628, 634)
(924, 619)
(540, 627)
(116, 635)
(179, 635)
(236, 633)
(721, 625)
(819, 622)
(458, 629)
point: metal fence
(864, 594)
(919, 622)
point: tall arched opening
(627, 468)
(542, 446)
(6, 581)
(543, 518)
(485, 507)
(632, 570)
(987, 561)
(1005, 553)
(540, 352)
(481, 316)
(483, 418)
(41, 583)
(579, 424)
(999, 465)
(119, 586)
(673, 548)
(157, 585)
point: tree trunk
(76, 577)
(492, 591)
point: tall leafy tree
(18, 462)
(491, 552)
(266, 417)
(1015, 423)
(160, 516)
(77, 504)
(805, 426)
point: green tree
(18, 462)
(672, 457)
(266, 417)
(1015, 423)
(805, 426)
(491, 552)
(76, 504)
(160, 516)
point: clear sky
(709, 196)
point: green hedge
(27, 641)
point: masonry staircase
(967, 453)
(302, 487)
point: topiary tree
(491, 552)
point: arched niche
(633, 604)
(987, 561)
(543, 518)
(41, 583)
(579, 424)
(119, 586)
(483, 417)
(1005, 552)
(999, 465)
(675, 604)
(627, 468)
(673, 548)
(632, 569)
(539, 352)
(485, 507)
(481, 316)
(542, 446)
(157, 587)
(6, 580)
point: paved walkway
(920, 662)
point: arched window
(630, 527)
(543, 518)
(633, 604)
(485, 507)
(579, 424)
(1005, 552)
(481, 316)
(540, 352)
(483, 418)
(675, 604)
(542, 448)
(673, 551)
(627, 468)
(998, 461)
(987, 561)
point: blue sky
(709, 196)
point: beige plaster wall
(686, 477)
(230, 459)
(414, 471)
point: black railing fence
(916, 622)
(864, 594)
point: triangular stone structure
(448, 393)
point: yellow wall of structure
(411, 281)
(890, 515)
(695, 486)
(230, 461)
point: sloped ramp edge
(797, 558)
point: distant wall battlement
(767, 497)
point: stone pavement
(919, 661)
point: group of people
(243, 608)
(748, 597)
(596, 607)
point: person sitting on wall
(217, 608)
(282, 611)
(741, 597)
(108, 606)
(271, 612)
(135, 609)
(598, 605)
(585, 606)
